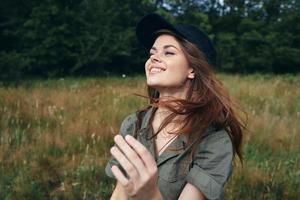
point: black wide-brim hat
(151, 23)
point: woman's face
(167, 68)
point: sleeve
(212, 165)
(127, 127)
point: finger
(124, 162)
(144, 154)
(119, 175)
(132, 156)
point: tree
(53, 38)
(59, 38)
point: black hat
(152, 23)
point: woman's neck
(159, 116)
(161, 113)
(174, 92)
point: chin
(154, 84)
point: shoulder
(129, 123)
(132, 117)
(217, 146)
(216, 136)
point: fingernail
(127, 137)
(114, 167)
(112, 149)
(116, 137)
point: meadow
(55, 136)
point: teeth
(155, 70)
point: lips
(156, 69)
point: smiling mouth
(154, 70)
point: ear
(191, 73)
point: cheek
(180, 67)
(146, 65)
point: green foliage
(95, 37)
(226, 45)
(73, 38)
(12, 64)
(286, 59)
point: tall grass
(55, 136)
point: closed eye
(169, 53)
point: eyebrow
(165, 47)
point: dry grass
(55, 136)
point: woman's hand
(140, 166)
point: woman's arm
(119, 193)
(191, 192)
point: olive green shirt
(209, 170)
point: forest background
(58, 38)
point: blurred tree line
(55, 38)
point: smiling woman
(167, 68)
(182, 145)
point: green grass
(55, 136)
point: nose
(155, 58)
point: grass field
(55, 136)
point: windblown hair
(207, 102)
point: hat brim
(149, 25)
